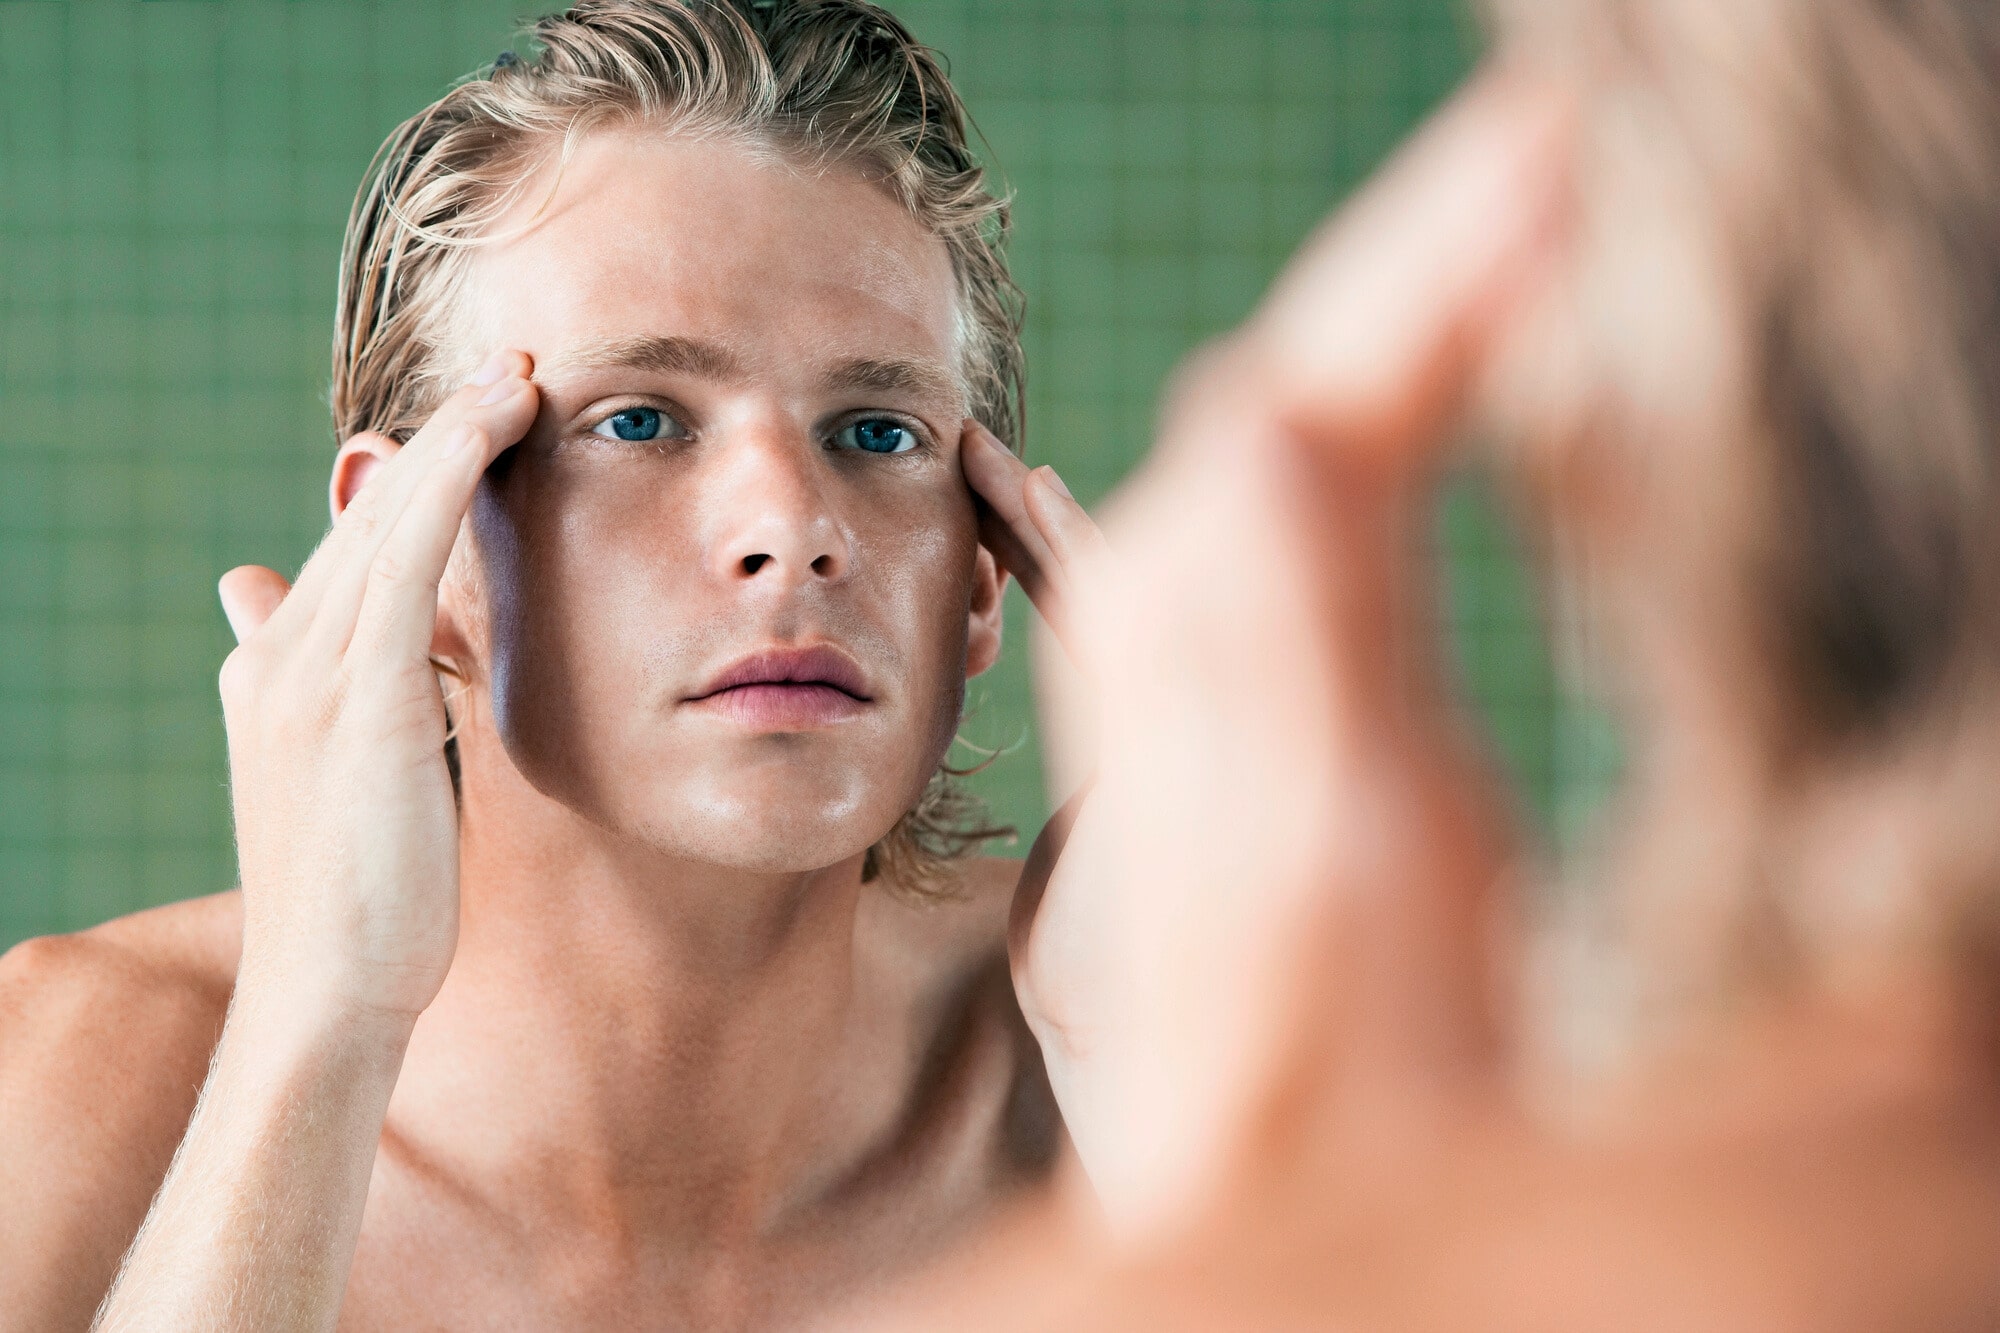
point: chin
(771, 847)
(766, 832)
(781, 809)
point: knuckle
(241, 676)
(320, 706)
(363, 512)
(307, 710)
(275, 705)
(391, 569)
(478, 438)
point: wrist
(280, 1019)
(316, 985)
(262, 1207)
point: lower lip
(782, 707)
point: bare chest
(417, 1270)
(431, 1260)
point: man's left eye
(877, 435)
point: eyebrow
(663, 355)
(925, 378)
(674, 355)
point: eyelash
(916, 429)
(674, 423)
(922, 436)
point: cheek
(529, 640)
(924, 554)
(600, 607)
(580, 580)
(936, 572)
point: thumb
(250, 593)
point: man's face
(731, 582)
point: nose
(775, 522)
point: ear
(359, 459)
(986, 615)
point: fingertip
(249, 595)
(505, 362)
(241, 579)
(502, 390)
(984, 457)
(972, 438)
(1049, 478)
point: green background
(174, 177)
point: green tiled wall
(174, 175)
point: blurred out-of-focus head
(1760, 406)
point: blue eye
(877, 435)
(634, 423)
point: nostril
(823, 566)
(753, 563)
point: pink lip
(787, 689)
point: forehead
(653, 233)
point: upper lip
(818, 665)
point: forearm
(255, 1226)
(1102, 1051)
(1146, 1155)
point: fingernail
(503, 390)
(1048, 475)
(494, 369)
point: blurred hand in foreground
(1298, 1019)
(1273, 745)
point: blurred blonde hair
(1785, 328)
(825, 83)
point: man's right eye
(634, 423)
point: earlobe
(986, 614)
(356, 462)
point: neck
(623, 1031)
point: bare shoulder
(105, 1038)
